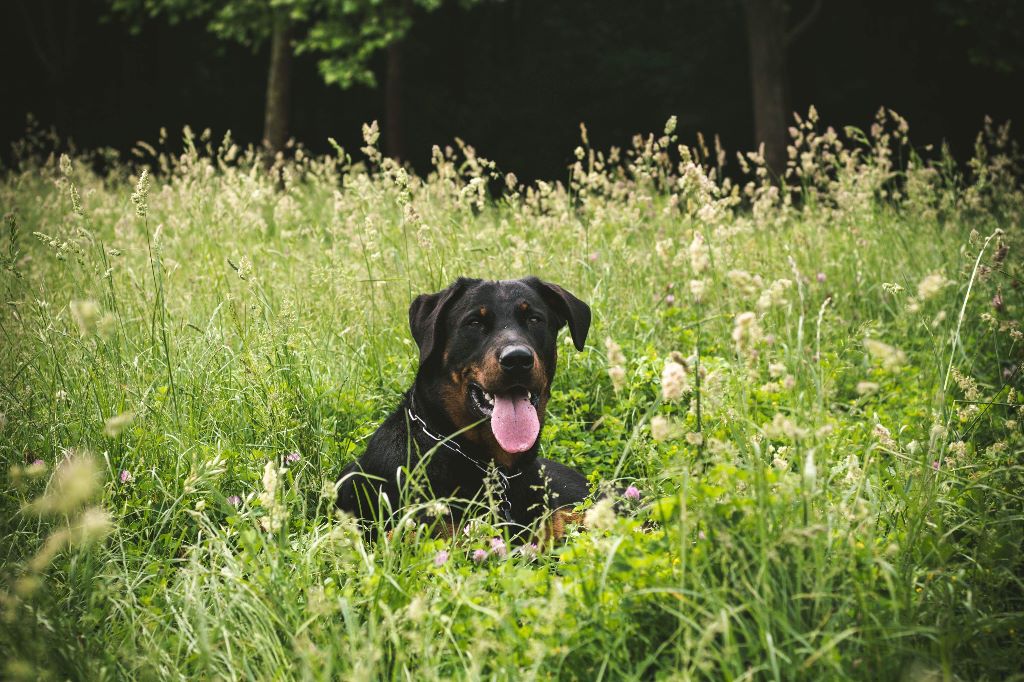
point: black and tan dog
(487, 360)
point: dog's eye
(535, 319)
(474, 322)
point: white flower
(890, 356)
(746, 332)
(867, 388)
(661, 428)
(698, 287)
(782, 426)
(614, 352)
(673, 381)
(774, 295)
(618, 377)
(810, 471)
(931, 285)
(601, 516)
(698, 250)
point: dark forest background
(515, 78)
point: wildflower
(670, 125)
(698, 250)
(821, 278)
(776, 370)
(85, 314)
(774, 295)
(663, 248)
(783, 427)
(614, 351)
(701, 535)
(746, 331)
(601, 516)
(889, 356)
(884, 436)
(616, 362)
(593, 257)
(618, 377)
(853, 470)
(670, 299)
(65, 165)
(662, 428)
(276, 513)
(371, 132)
(632, 493)
(935, 465)
(479, 555)
(113, 427)
(891, 288)
(779, 463)
(529, 550)
(695, 438)
(235, 500)
(75, 481)
(141, 195)
(997, 301)
(201, 505)
(931, 285)
(744, 281)
(698, 287)
(292, 457)
(76, 201)
(498, 547)
(126, 476)
(441, 558)
(673, 381)
(93, 525)
(810, 471)
(865, 388)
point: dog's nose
(516, 358)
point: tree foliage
(343, 34)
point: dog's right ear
(426, 317)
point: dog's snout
(516, 359)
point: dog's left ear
(571, 309)
(426, 317)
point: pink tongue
(514, 422)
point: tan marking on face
(524, 306)
(483, 311)
(453, 397)
(489, 375)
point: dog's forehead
(502, 294)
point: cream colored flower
(931, 285)
(673, 381)
(601, 516)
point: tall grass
(813, 381)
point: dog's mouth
(512, 413)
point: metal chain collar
(504, 505)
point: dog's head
(488, 351)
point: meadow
(812, 384)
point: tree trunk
(394, 143)
(766, 37)
(279, 85)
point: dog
(487, 355)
